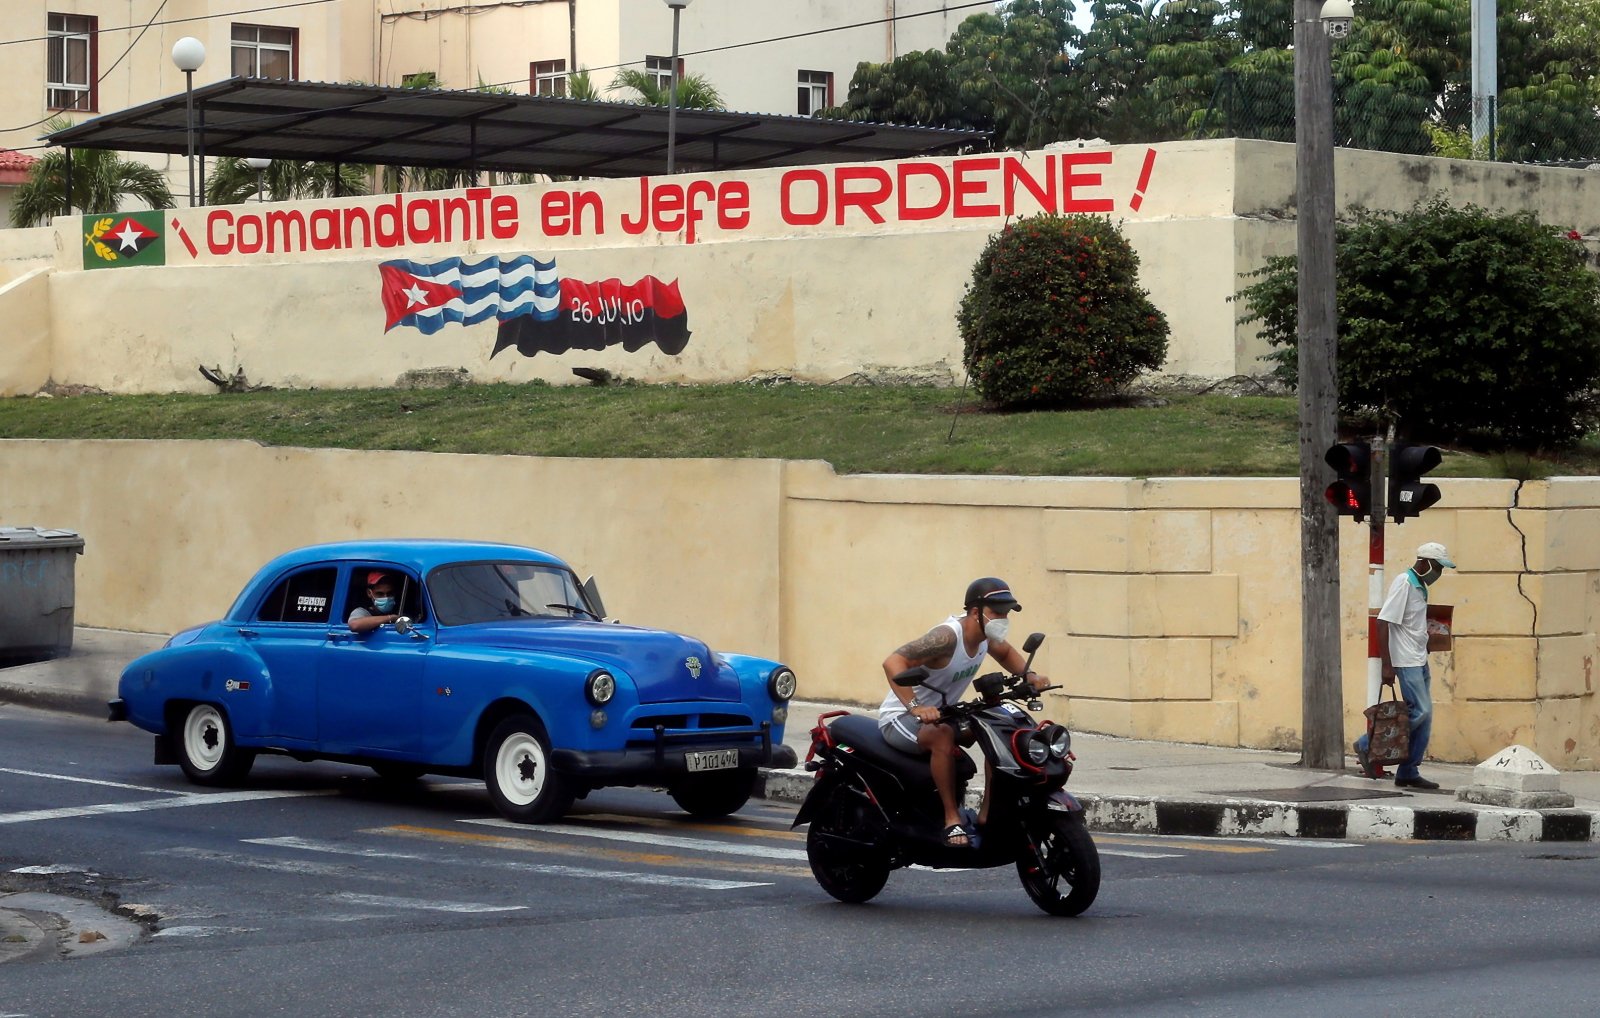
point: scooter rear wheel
(847, 869)
(1068, 879)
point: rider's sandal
(955, 831)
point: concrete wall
(1171, 604)
(25, 336)
(816, 272)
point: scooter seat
(863, 736)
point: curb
(1144, 814)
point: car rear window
(496, 591)
(305, 596)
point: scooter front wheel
(843, 857)
(1062, 871)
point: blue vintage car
(494, 662)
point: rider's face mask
(995, 629)
(384, 603)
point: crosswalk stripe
(543, 869)
(590, 851)
(386, 901)
(211, 799)
(643, 838)
(92, 781)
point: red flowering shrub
(1054, 314)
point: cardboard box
(1441, 623)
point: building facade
(82, 58)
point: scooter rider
(952, 651)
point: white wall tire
(206, 748)
(517, 771)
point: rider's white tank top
(943, 685)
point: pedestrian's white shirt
(943, 685)
(1406, 611)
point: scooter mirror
(1031, 644)
(911, 676)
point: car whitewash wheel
(516, 768)
(206, 749)
(1064, 877)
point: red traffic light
(1351, 494)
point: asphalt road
(320, 890)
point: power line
(108, 70)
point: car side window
(306, 596)
(410, 592)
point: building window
(549, 77)
(260, 51)
(816, 91)
(660, 71)
(73, 62)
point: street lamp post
(672, 91)
(189, 53)
(258, 164)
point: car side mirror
(591, 591)
(402, 625)
(911, 676)
(1031, 644)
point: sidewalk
(1126, 785)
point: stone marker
(1516, 777)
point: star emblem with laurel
(124, 238)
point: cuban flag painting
(537, 310)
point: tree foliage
(1455, 323)
(694, 91)
(1054, 314)
(101, 180)
(230, 181)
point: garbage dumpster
(38, 573)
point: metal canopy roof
(303, 120)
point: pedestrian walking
(1403, 644)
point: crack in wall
(1516, 497)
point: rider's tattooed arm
(935, 644)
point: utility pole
(1322, 696)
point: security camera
(1336, 18)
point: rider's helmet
(992, 592)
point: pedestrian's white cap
(1434, 550)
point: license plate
(712, 760)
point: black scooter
(875, 809)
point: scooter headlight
(1037, 748)
(1060, 741)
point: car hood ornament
(693, 664)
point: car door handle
(248, 633)
(335, 636)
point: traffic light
(1351, 494)
(1408, 495)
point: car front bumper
(643, 763)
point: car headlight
(781, 685)
(1060, 741)
(1038, 749)
(600, 687)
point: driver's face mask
(384, 605)
(996, 629)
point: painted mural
(537, 309)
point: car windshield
(495, 591)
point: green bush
(1054, 314)
(1454, 323)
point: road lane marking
(1129, 853)
(236, 859)
(70, 812)
(331, 848)
(499, 841)
(1189, 845)
(643, 838)
(422, 904)
(93, 781)
(542, 869)
(687, 825)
